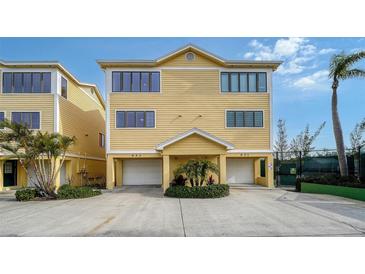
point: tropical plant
(281, 144)
(341, 68)
(303, 142)
(197, 171)
(38, 151)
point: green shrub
(26, 194)
(202, 192)
(331, 179)
(74, 192)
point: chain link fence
(290, 165)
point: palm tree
(341, 69)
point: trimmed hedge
(26, 194)
(74, 192)
(200, 192)
(335, 180)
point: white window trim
(240, 128)
(134, 128)
(40, 117)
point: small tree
(281, 144)
(304, 140)
(356, 136)
(196, 171)
(36, 150)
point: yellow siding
(30, 102)
(82, 117)
(94, 168)
(195, 95)
(180, 61)
(194, 145)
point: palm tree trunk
(337, 130)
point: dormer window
(63, 87)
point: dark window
(244, 119)
(29, 119)
(63, 87)
(249, 118)
(140, 119)
(224, 82)
(7, 82)
(126, 81)
(262, 168)
(135, 119)
(230, 119)
(252, 84)
(150, 119)
(18, 82)
(135, 81)
(262, 82)
(36, 80)
(101, 140)
(243, 82)
(131, 119)
(116, 79)
(2, 117)
(145, 81)
(27, 78)
(26, 82)
(46, 81)
(120, 119)
(234, 82)
(155, 82)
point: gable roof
(190, 47)
(190, 132)
(53, 64)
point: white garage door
(142, 172)
(240, 171)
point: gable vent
(190, 56)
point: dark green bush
(332, 179)
(74, 192)
(26, 194)
(202, 192)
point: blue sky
(302, 91)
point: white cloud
(298, 54)
(317, 80)
(327, 51)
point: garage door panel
(142, 172)
(240, 171)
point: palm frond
(352, 73)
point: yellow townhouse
(47, 97)
(188, 104)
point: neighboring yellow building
(47, 97)
(189, 104)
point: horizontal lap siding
(180, 61)
(30, 102)
(190, 93)
(81, 116)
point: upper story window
(244, 119)
(101, 140)
(26, 82)
(63, 87)
(243, 82)
(2, 118)
(29, 119)
(135, 119)
(135, 81)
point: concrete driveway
(142, 211)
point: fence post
(359, 163)
(300, 164)
(277, 176)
